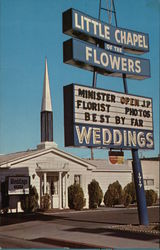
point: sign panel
(100, 118)
(78, 24)
(90, 57)
(18, 185)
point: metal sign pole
(95, 73)
(139, 186)
(137, 169)
(138, 179)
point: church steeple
(46, 114)
(46, 98)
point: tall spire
(46, 99)
(46, 115)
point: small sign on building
(116, 157)
(18, 185)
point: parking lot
(82, 229)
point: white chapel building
(52, 170)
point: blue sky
(31, 30)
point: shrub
(127, 199)
(79, 201)
(75, 197)
(95, 194)
(5, 197)
(29, 202)
(71, 191)
(100, 196)
(157, 227)
(45, 201)
(129, 189)
(151, 197)
(113, 195)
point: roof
(151, 159)
(13, 158)
(154, 158)
(105, 165)
(17, 155)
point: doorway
(52, 190)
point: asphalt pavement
(77, 229)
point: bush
(75, 197)
(79, 201)
(71, 193)
(45, 202)
(127, 199)
(5, 197)
(95, 194)
(100, 196)
(113, 195)
(151, 197)
(129, 189)
(29, 202)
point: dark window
(148, 182)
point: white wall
(108, 177)
(49, 161)
(151, 170)
(104, 177)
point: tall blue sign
(87, 56)
(78, 24)
(99, 118)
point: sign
(18, 185)
(113, 48)
(88, 56)
(100, 118)
(78, 24)
(116, 157)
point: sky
(31, 30)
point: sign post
(139, 186)
(100, 118)
(138, 178)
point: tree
(95, 194)
(29, 202)
(113, 195)
(75, 197)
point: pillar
(45, 182)
(60, 190)
(66, 190)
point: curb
(152, 233)
(90, 210)
(68, 244)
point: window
(77, 179)
(148, 182)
